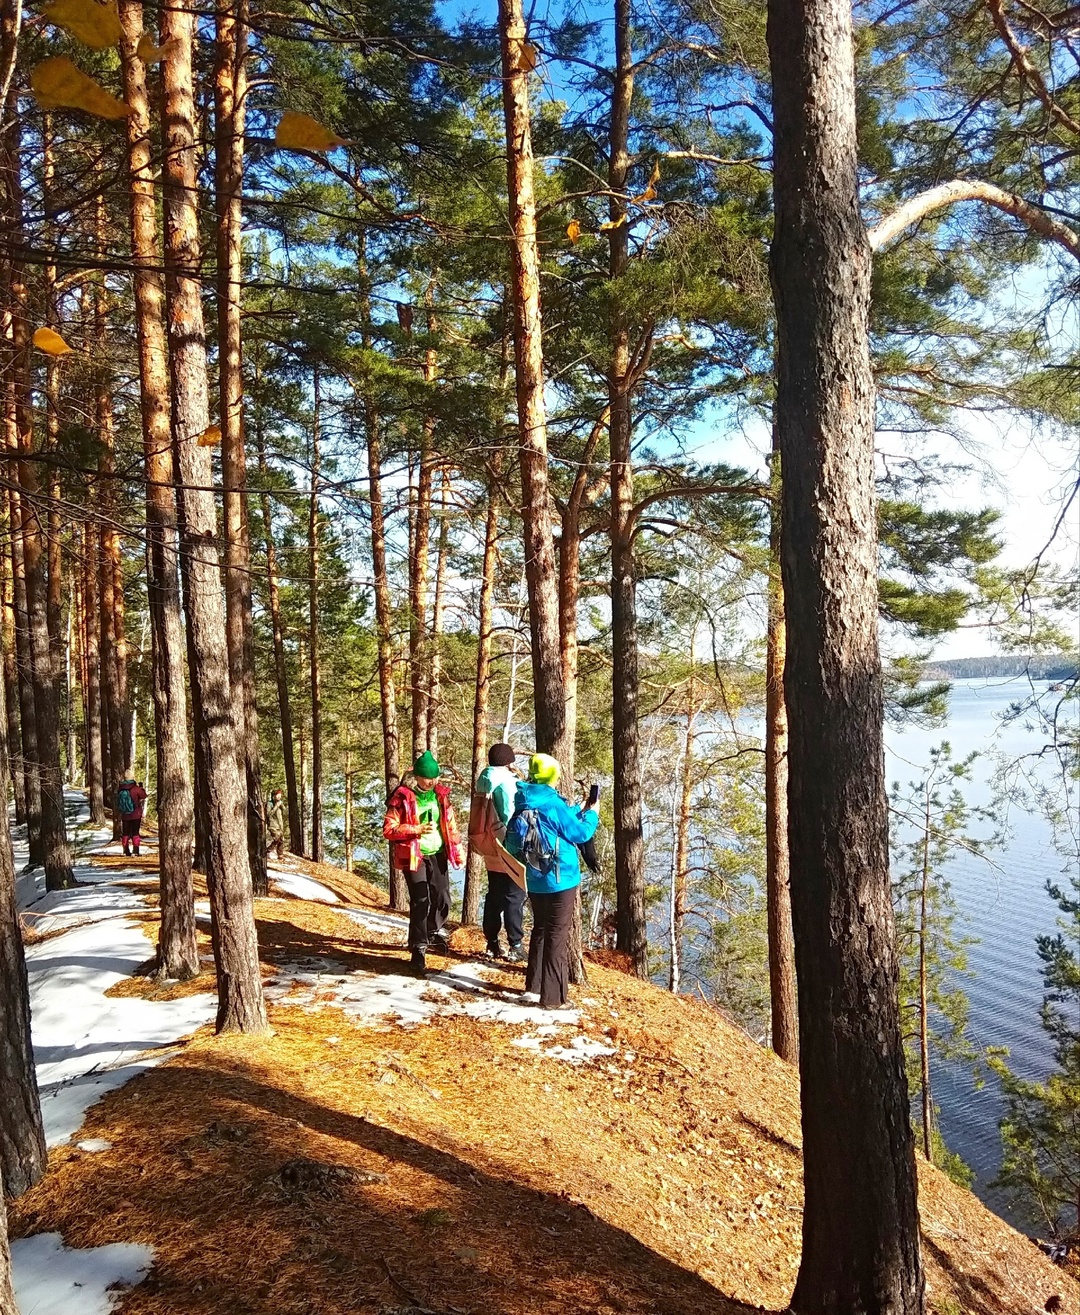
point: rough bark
(32, 532)
(680, 866)
(240, 996)
(438, 609)
(178, 954)
(782, 993)
(23, 1157)
(313, 638)
(7, 1291)
(91, 638)
(924, 1020)
(230, 100)
(475, 869)
(540, 568)
(860, 1221)
(25, 673)
(281, 675)
(631, 923)
(11, 690)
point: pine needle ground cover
(638, 1154)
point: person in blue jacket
(544, 834)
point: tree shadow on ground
(399, 1225)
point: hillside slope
(399, 1146)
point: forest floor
(402, 1147)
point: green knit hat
(426, 766)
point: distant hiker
(544, 832)
(130, 801)
(275, 824)
(492, 806)
(422, 829)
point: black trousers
(549, 946)
(429, 899)
(504, 904)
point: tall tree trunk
(540, 568)
(230, 100)
(70, 667)
(23, 1157)
(419, 648)
(236, 953)
(680, 867)
(91, 643)
(475, 867)
(348, 827)
(631, 934)
(25, 674)
(11, 690)
(782, 993)
(281, 675)
(442, 554)
(860, 1221)
(33, 533)
(178, 953)
(924, 1021)
(399, 891)
(313, 637)
(55, 584)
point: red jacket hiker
(401, 826)
(130, 802)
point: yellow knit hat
(543, 769)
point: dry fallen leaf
(49, 341)
(573, 230)
(58, 84)
(151, 54)
(210, 437)
(95, 23)
(300, 132)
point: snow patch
(301, 887)
(52, 1279)
(93, 1145)
(383, 923)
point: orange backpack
(484, 826)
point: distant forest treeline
(1053, 666)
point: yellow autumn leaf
(300, 132)
(573, 230)
(210, 437)
(527, 57)
(50, 342)
(58, 84)
(649, 193)
(609, 224)
(151, 54)
(96, 23)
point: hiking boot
(496, 951)
(441, 939)
(418, 963)
(516, 954)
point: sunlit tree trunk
(631, 935)
(178, 953)
(475, 869)
(419, 645)
(313, 636)
(230, 101)
(23, 1157)
(277, 630)
(540, 568)
(442, 554)
(11, 689)
(680, 867)
(860, 1218)
(240, 997)
(782, 993)
(924, 1021)
(91, 643)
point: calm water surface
(1004, 905)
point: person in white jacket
(504, 904)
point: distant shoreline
(1043, 666)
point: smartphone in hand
(594, 797)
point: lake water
(1004, 905)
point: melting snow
(301, 887)
(52, 1279)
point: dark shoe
(517, 954)
(441, 939)
(418, 963)
(127, 852)
(496, 951)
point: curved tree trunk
(240, 996)
(860, 1219)
(178, 953)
